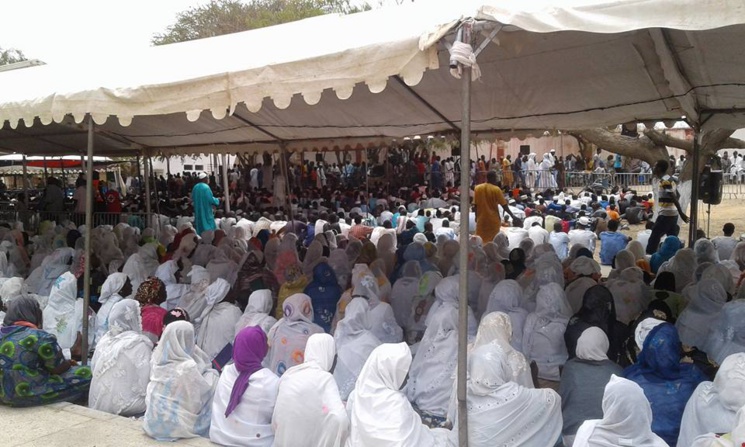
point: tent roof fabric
(352, 81)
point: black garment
(633, 215)
(663, 225)
(599, 310)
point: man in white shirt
(560, 241)
(725, 244)
(515, 234)
(446, 230)
(581, 235)
(538, 233)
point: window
(187, 167)
(199, 167)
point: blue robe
(667, 383)
(324, 293)
(203, 201)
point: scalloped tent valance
(370, 78)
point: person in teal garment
(33, 370)
(203, 201)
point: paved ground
(64, 424)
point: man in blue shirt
(203, 201)
(611, 242)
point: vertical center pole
(147, 186)
(693, 215)
(226, 183)
(465, 208)
(88, 226)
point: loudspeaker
(711, 187)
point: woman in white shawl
(502, 412)
(288, 337)
(387, 251)
(193, 301)
(630, 294)
(218, 319)
(204, 251)
(727, 335)
(43, 277)
(697, 319)
(114, 289)
(495, 329)
(340, 264)
(543, 334)
(380, 414)
(404, 290)
(257, 312)
(431, 375)
(166, 272)
(490, 270)
(683, 265)
(382, 319)
(506, 297)
(531, 168)
(221, 266)
(627, 419)
(141, 265)
(446, 298)
(309, 411)
(63, 316)
(354, 343)
(121, 363)
(182, 384)
(713, 406)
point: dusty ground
(730, 210)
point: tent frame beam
(426, 103)
(257, 127)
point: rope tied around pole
(463, 54)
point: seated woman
(713, 406)
(543, 335)
(182, 383)
(626, 420)
(496, 329)
(244, 399)
(116, 287)
(501, 412)
(667, 383)
(151, 294)
(121, 363)
(583, 381)
(354, 343)
(309, 411)
(33, 370)
(218, 319)
(380, 414)
(288, 337)
(257, 312)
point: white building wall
(188, 163)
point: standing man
(486, 198)
(203, 201)
(667, 218)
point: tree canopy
(11, 56)
(220, 17)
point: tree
(220, 17)
(11, 56)
(652, 145)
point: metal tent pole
(465, 207)
(283, 171)
(693, 215)
(225, 182)
(147, 186)
(25, 181)
(87, 235)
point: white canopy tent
(585, 63)
(344, 81)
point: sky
(55, 31)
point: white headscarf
(496, 329)
(354, 343)
(713, 406)
(698, 317)
(121, 363)
(506, 297)
(501, 412)
(630, 294)
(446, 297)
(193, 301)
(643, 329)
(431, 375)
(379, 413)
(182, 383)
(543, 334)
(63, 316)
(627, 419)
(217, 319)
(288, 337)
(309, 410)
(257, 312)
(108, 298)
(593, 345)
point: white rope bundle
(463, 54)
